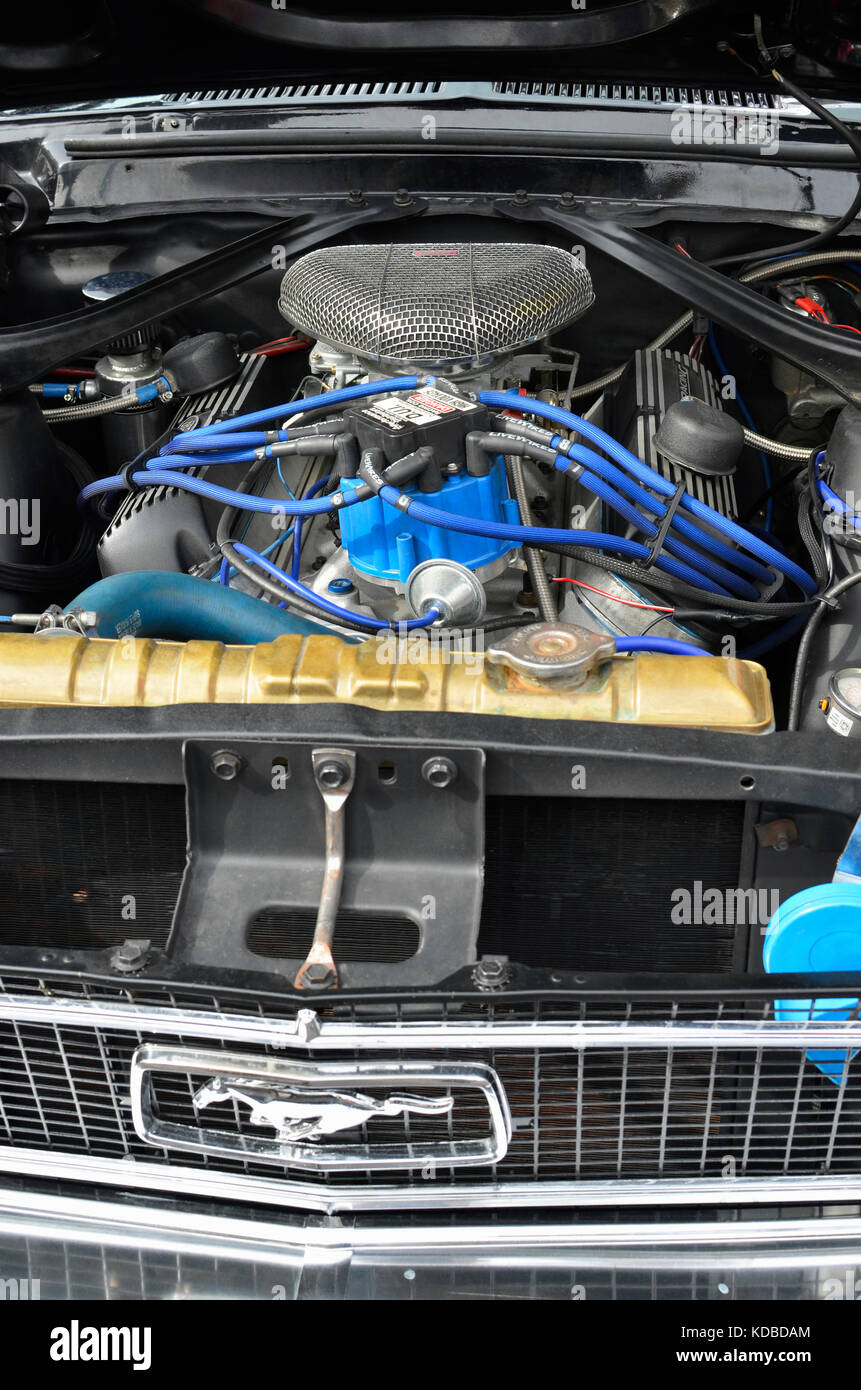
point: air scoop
(440, 306)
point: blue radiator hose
(178, 607)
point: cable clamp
(666, 522)
(128, 481)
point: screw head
(226, 765)
(439, 771)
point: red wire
(72, 371)
(278, 346)
(629, 602)
(817, 312)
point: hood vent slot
(315, 91)
(637, 94)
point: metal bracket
(335, 775)
(383, 830)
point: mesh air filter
(434, 303)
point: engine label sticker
(440, 402)
(397, 413)
(423, 408)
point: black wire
(655, 579)
(821, 238)
(513, 620)
(772, 491)
(796, 692)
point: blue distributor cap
(818, 929)
(385, 543)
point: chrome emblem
(307, 1103)
(309, 1114)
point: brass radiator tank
(65, 669)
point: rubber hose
(178, 607)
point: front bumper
(113, 1247)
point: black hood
(56, 53)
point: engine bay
(430, 457)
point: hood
(101, 49)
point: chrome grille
(434, 303)
(695, 1107)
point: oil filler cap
(551, 652)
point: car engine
(427, 474)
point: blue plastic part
(384, 542)
(818, 929)
(849, 864)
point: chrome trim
(316, 1034)
(431, 1196)
(334, 1077)
(792, 1242)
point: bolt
(356, 198)
(403, 198)
(332, 773)
(521, 197)
(568, 200)
(226, 765)
(130, 956)
(439, 772)
(318, 977)
(491, 972)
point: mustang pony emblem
(309, 1114)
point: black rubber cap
(202, 363)
(700, 437)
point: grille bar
(325, 1034)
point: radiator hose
(160, 603)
